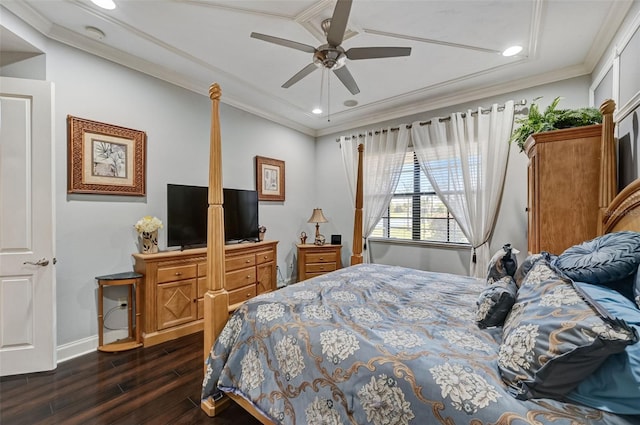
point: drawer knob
(248, 261)
(178, 273)
(265, 257)
(249, 295)
(321, 258)
(321, 267)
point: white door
(27, 272)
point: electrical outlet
(122, 302)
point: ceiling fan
(331, 55)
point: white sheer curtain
(384, 153)
(465, 159)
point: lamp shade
(317, 216)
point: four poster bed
(389, 345)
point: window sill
(425, 244)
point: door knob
(43, 262)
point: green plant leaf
(551, 119)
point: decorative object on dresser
(130, 279)
(270, 179)
(261, 231)
(315, 260)
(147, 228)
(105, 159)
(564, 178)
(175, 283)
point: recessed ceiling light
(105, 4)
(317, 111)
(512, 51)
(94, 32)
(350, 103)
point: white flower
(289, 356)
(384, 403)
(337, 344)
(148, 224)
(467, 390)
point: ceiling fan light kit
(332, 55)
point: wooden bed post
(356, 258)
(216, 299)
(608, 164)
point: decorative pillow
(503, 263)
(615, 386)
(607, 258)
(553, 337)
(528, 263)
(495, 302)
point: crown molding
(458, 98)
(607, 31)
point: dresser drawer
(322, 257)
(239, 262)
(239, 278)
(242, 294)
(264, 257)
(173, 273)
(320, 267)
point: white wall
(95, 234)
(511, 224)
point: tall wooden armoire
(563, 187)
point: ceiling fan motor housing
(330, 57)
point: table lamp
(317, 217)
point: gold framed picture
(269, 179)
(105, 159)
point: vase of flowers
(147, 228)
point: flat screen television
(240, 215)
(187, 216)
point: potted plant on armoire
(564, 147)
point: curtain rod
(523, 102)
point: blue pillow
(495, 302)
(503, 263)
(605, 259)
(554, 336)
(615, 386)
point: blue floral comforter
(375, 344)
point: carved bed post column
(356, 258)
(608, 163)
(216, 299)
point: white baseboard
(75, 349)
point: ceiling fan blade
(339, 22)
(284, 42)
(300, 75)
(345, 76)
(356, 53)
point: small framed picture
(269, 179)
(105, 159)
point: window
(415, 211)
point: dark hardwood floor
(154, 385)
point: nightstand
(316, 260)
(132, 279)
